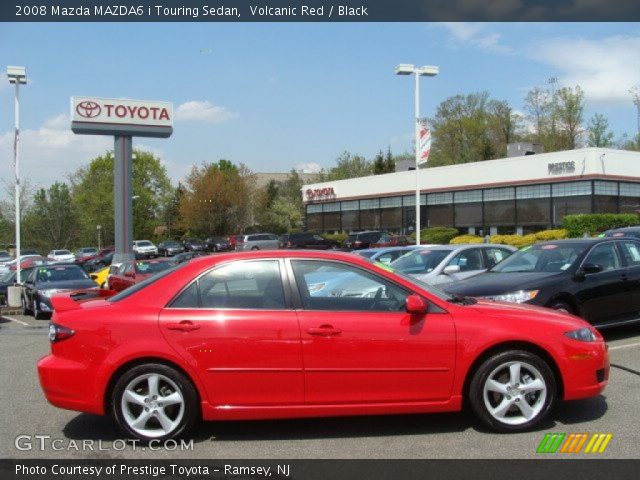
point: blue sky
(276, 95)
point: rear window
(61, 274)
(152, 267)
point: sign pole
(122, 201)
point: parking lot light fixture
(17, 76)
(424, 71)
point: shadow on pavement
(94, 427)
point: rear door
(234, 324)
(630, 251)
(470, 261)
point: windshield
(61, 274)
(365, 254)
(7, 277)
(152, 267)
(541, 258)
(144, 243)
(145, 283)
(429, 288)
(420, 261)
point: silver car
(257, 241)
(442, 264)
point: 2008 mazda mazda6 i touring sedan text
(271, 334)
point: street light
(17, 76)
(425, 71)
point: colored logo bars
(574, 443)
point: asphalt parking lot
(23, 341)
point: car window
(631, 253)
(60, 274)
(389, 257)
(188, 298)
(244, 285)
(420, 261)
(318, 238)
(151, 267)
(495, 255)
(340, 287)
(545, 257)
(605, 255)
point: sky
(277, 96)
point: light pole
(17, 76)
(425, 71)
(99, 229)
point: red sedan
(130, 273)
(387, 240)
(284, 334)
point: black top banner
(319, 10)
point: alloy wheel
(514, 393)
(152, 405)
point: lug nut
(155, 397)
(159, 404)
(146, 409)
(508, 397)
(522, 392)
(517, 399)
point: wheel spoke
(133, 397)
(140, 422)
(495, 386)
(165, 421)
(533, 386)
(152, 382)
(171, 399)
(514, 373)
(501, 410)
(525, 408)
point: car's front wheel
(513, 391)
(154, 402)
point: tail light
(357, 243)
(288, 244)
(58, 333)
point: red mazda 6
(300, 334)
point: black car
(194, 245)
(99, 262)
(169, 248)
(596, 279)
(623, 232)
(218, 244)
(8, 279)
(360, 240)
(309, 241)
(185, 257)
(46, 280)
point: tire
(36, 313)
(25, 309)
(499, 404)
(133, 393)
(255, 248)
(563, 307)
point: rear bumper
(69, 385)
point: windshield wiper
(461, 299)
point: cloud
(308, 167)
(605, 69)
(474, 35)
(196, 111)
(52, 151)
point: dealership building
(520, 194)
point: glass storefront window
(331, 221)
(314, 222)
(391, 219)
(440, 216)
(534, 211)
(533, 191)
(369, 219)
(605, 204)
(605, 188)
(570, 206)
(469, 214)
(500, 213)
(629, 204)
(350, 220)
(570, 189)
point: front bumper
(585, 370)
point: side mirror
(416, 305)
(588, 268)
(449, 269)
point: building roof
(569, 165)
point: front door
(359, 343)
(233, 324)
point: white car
(61, 256)
(442, 264)
(144, 249)
(7, 266)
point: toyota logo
(88, 109)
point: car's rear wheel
(513, 391)
(255, 248)
(25, 308)
(37, 314)
(154, 402)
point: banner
(424, 141)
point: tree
(390, 162)
(504, 125)
(570, 111)
(53, 221)
(378, 164)
(92, 189)
(347, 166)
(599, 133)
(217, 199)
(539, 105)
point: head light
(49, 293)
(582, 335)
(520, 296)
